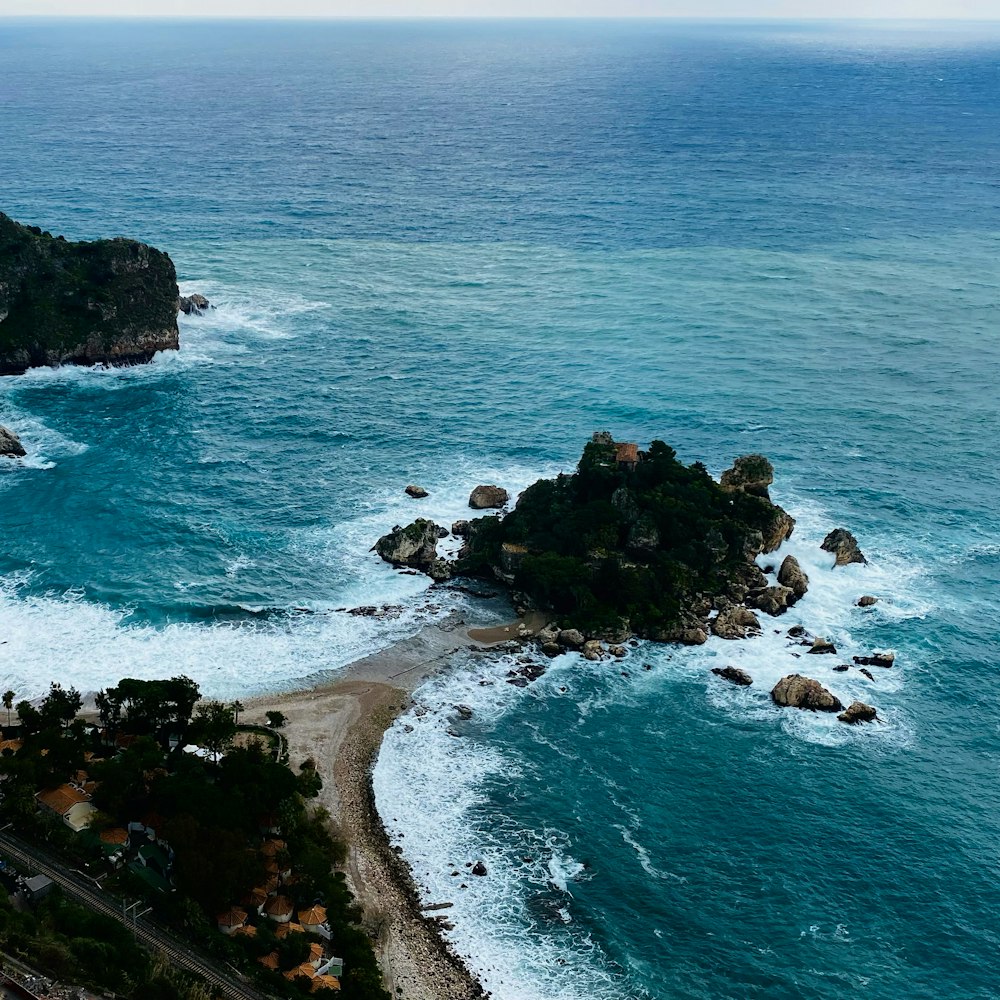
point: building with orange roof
(272, 847)
(233, 918)
(279, 909)
(116, 836)
(269, 961)
(626, 455)
(72, 805)
(324, 983)
(303, 971)
(315, 958)
(283, 930)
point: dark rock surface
(417, 492)
(876, 660)
(415, 545)
(193, 305)
(110, 301)
(866, 601)
(733, 674)
(10, 444)
(734, 623)
(844, 546)
(791, 575)
(857, 712)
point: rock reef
(109, 301)
(10, 444)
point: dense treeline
(620, 546)
(213, 812)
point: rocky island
(109, 301)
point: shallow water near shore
(444, 254)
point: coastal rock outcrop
(488, 497)
(734, 675)
(460, 528)
(857, 712)
(193, 305)
(876, 660)
(750, 474)
(415, 545)
(822, 646)
(796, 691)
(734, 622)
(10, 444)
(772, 600)
(109, 301)
(844, 547)
(791, 575)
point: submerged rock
(10, 444)
(479, 868)
(733, 674)
(791, 575)
(867, 601)
(796, 691)
(484, 497)
(857, 712)
(417, 492)
(109, 301)
(867, 673)
(841, 668)
(844, 547)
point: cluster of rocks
(10, 444)
(554, 641)
(485, 497)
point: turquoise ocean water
(446, 252)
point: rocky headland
(109, 301)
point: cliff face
(111, 301)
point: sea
(444, 253)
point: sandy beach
(339, 723)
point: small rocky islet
(635, 545)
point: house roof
(625, 451)
(269, 961)
(255, 897)
(283, 930)
(305, 969)
(271, 847)
(314, 915)
(325, 983)
(247, 930)
(12, 745)
(60, 800)
(233, 917)
(116, 835)
(278, 904)
(315, 951)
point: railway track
(79, 888)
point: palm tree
(237, 707)
(8, 703)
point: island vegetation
(633, 541)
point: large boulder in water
(415, 545)
(796, 691)
(791, 575)
(193, 305)
(486, 497)
(844, 546)
(857, 712)
(749, 474)
(10, 444)
(110, 301)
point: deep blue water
(445, 253)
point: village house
(70, 803)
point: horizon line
(864, 18)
